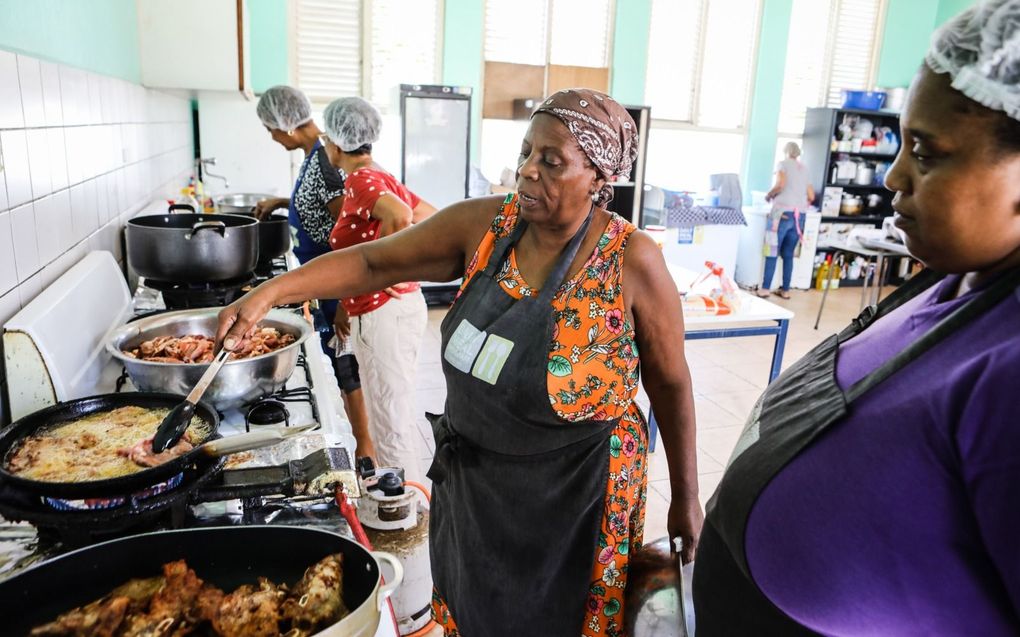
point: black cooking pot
(192, 248)
(274, 236)
(224, 556)
(110, 487)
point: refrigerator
(435, 130)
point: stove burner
(178, 296)
(84, 526)
(267, 411)
(267, 270)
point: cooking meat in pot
(180, 603)
(106, 444)
(196, 348)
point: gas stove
(268, 486)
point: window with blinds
(833, 45)
(404, 48)
(540, 32)
(701, 60)
(580, 33)
(365, 47)
(327, 48)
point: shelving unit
(820, 126)
(872, 220)
(628, 196)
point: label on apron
(476, 352)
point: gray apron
(518, 493)
(793, 412)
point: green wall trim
(630, 50)
(268, 45)
(463, 53)
(766, 96)
(95, 35)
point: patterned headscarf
(605, 131)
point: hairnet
(352, 122)
(980, 50)
(284, 108)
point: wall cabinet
(194, 44)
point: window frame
(365, 29)
(695, 94)
(830, 50)
(610, 41)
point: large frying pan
(81, 407)
(224, 556)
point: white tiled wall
(80, 153)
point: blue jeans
(788, 239)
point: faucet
(202, 163)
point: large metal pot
(226, 557)
(238, 383)
(274, 236)
(239, 202)
(192, 248)
(658, 597)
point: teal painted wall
(630, 50)
(908, 28)
(96, 35)
(766, 95)
(909, 25)
(463, 53)
(950, 8)
(268, 46)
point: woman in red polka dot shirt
(385, 326)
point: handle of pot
(180, 206)
(218, 226)
(264, 437)
(387, 589)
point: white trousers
(386, 344)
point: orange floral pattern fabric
(592, 374)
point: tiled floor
(728, 374)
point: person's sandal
(783, 294)
(763, 293)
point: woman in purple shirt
(876, 490)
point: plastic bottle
(823, 273)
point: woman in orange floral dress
(593, 373)
(540, 474)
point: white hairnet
(980, 50)
(284, 108)
(352, 122)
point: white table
(775, 320)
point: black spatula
(179, 418)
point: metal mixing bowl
(238, 383)
(239, 201)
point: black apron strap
(501, 251)
(559, 272)
(989, 298)
(915, 286)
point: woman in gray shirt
(790, 196)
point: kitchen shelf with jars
(847, 153)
